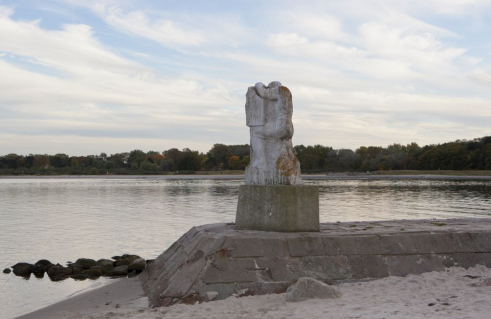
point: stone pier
(213, 262)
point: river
(62, 219)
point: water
(65, 219)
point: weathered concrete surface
(281, 208)
(219, 261)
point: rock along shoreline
(83, 268)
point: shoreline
(125, 298)
(240, 177)
(121, 296)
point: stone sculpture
(274, 197)
(269, 112)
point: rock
(59, 278)
(59, 270)
(47, 267)
(104, 262)
(150, 261)
(106, 269)
(79, 277)
(38, 270)
(211, 295)
(76, 269)
(95, 272)
(138, 264)
(122, 262)
(86, 263)
(43, 262)
(119, 271)
(40, 267)
(6, 271)
(308, 288)
(116, 257)
(131, 258)
(132, 274)
(22, 269)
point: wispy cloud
(135, 73)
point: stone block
(403, 265)
(358, 270)
(315, 245)
(331, 246)
(274, 247)
(462, 242)
(369, 245)
(266, 288)
(376, 266)
(327, 267)
(184, 279)
(368, 266)
(297, 246)
(277, 269)
(224, 290)
(483, 259)
(281, 208)
(482, 241)
(230, 270)
(245, 247)
(433, 243)
(340, 245)
(397, 244)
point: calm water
(65, 219)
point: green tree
(136, 156)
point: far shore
(330, 176)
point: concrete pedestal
(280, 208)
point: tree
(74, 162)
(137, 157)
(234, 162)
(41, 161)
(218, 155)
(60, 160)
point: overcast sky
(115, 76)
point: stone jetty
(220, 261)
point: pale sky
(84, 77)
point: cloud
(163, 31)
(72, 49)
(139, 73)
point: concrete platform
(279, 208)
(217, 261)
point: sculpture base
(280, 208)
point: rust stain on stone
(286, 166)
(224, 253)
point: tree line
(458, 155)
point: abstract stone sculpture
(269, 115)
(274, 198)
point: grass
(438, 224)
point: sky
(85, 77)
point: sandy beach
(455, 293)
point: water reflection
(63, 220)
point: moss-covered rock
(86, 263)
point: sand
(450, 294)
(121, 296)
